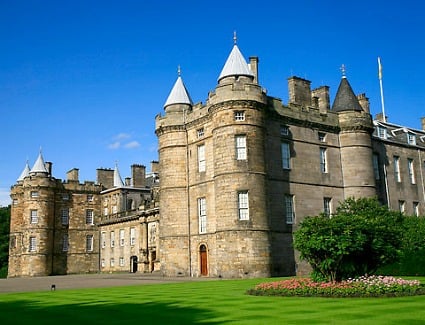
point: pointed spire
(117, 177)
(39, 165)
(235, 64)
(179, 93)
(25, 172)
(345, 99)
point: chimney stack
(72, 175)
(138, 174)
(253, 65)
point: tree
(4, 239)
(359, 238)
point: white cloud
(122, 136)
(4, 197)
(114, 145)
(132, 145)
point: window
(411, 170)
(65, 243)
(102, 262)
(114, 209)
(90, 198)
(34, 216)
(243, 205)
(323, 161)
(411, 138)
(289, 209)
(34, 194)
(240, 147)
(89, 243)
(202, 215)
(112, 239)
(121, 261)
(122, 234)
(112, 262)
(201, 158)
(375, 160)
(105, 211)
(416, 209)
(401, 206)
(89, 216)
(239, 116)
(65, 196)
(327, 208)
(200, 132)
(286, 155)
(65, 216)
(132, 236)
(284, 130)
(32, 244)
(322, 136)
(103, 239)
(15, 202)
(12, 242)
(382, 132)
(396, 162)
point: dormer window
(239, 116)
(411, 139)
(382, 132)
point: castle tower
(242, 244)
(355, 142)
(31, 226)
(173, 166)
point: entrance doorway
(133, 264)
(203, 260)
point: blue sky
(84, 80)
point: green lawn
(209, 302)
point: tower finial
(235, 39)
(343, 71)
(179, 71)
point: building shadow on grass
(98, 312)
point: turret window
(200, 132)
(89, 217)
(243, 205)
(32, 244)
(65, 243)
(35, 194)
(239, 116)
(34, 216)
(240, 147)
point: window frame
(32, 244)
(323, 160)
(202, 215)
(411, 170)
(289, 209)
(397, 174)
(239, 116)
(286, 155)
(201, 158)
(33, 216)
(243, 205)
(241, 147)
(89, 243)
(89, 217)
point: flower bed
(365, 286)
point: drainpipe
(187, 195)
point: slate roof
(235, 65)
(179, 94)
(345, 99)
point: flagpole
(384, 118)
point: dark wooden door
(204, 261)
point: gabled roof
(117, 177)
(179, 94)
(24, 173)
(235, 65)
(345, 99)
(39, 165)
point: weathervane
(234, 38)
(343, 70)
(179, 71)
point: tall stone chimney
(49, 165)
(423, 123)
(299, 91)
(72, 175)
(322, 95)
(364, 102)
(253, 64)
(105, 177)
(138, 174)
(154, 166)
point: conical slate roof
(39, 165)
(117, 177)
(345, 99)
(235, 65)
(179, 94)
(24, 173)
